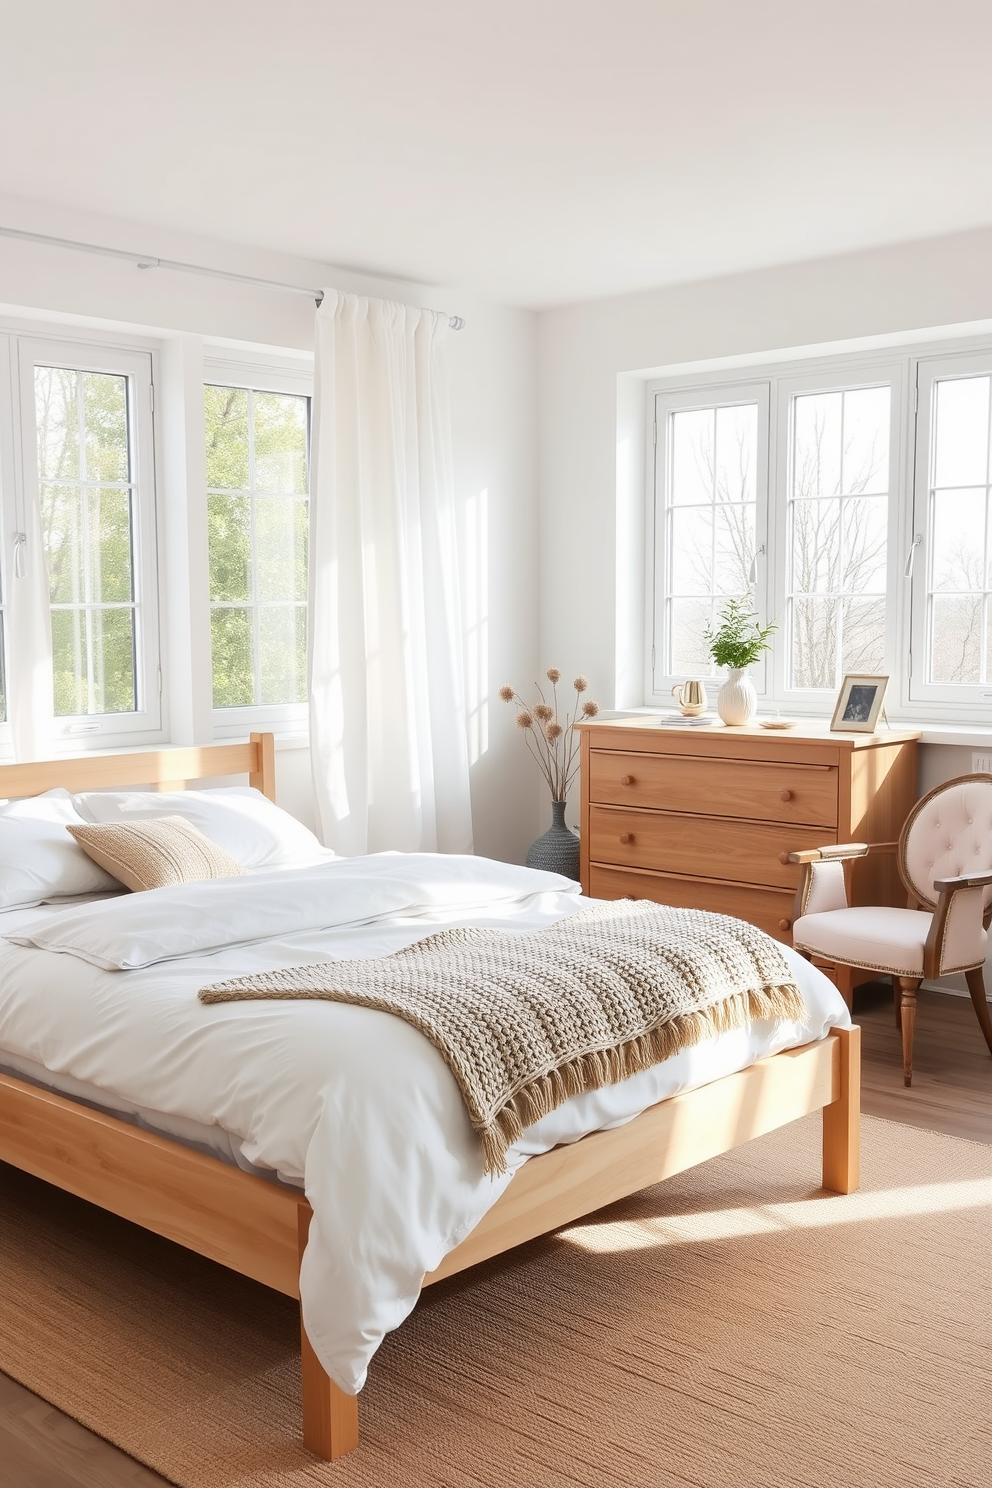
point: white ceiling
(537, 151)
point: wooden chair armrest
(963, 881)
(834, 850)
(934, 956)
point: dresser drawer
(699, 846)
(769, 909)
(772, 791)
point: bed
(80, 1135)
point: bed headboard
(162, 769)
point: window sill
(968, 736)
(962, 735)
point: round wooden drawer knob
(626, 779)
(783, 858)
(784, 924)
(786, 796)
(626, 836)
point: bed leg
(330, 1417)
(842, 1118)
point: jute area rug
(735, 1326)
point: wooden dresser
(705, 818)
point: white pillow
(38, 858)
(238, 818)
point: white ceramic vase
(737, 701)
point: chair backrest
(948, 831)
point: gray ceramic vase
(557, 851)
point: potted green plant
(737, 643)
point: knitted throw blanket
(525, 1021)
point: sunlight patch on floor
(799, 1214)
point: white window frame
(263, 375)
(31, 348)
(963, 698)
(910, 368)
(10, 509)
(846, 375)
(664, 402)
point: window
(713, 460)
(86, 494)
(257, 489)
(3, 653)
(850, 499)
(79, 450)
(838, 514)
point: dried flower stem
(554, 745)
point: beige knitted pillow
(152, 854)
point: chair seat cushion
(874, 936)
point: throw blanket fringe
(545, 1093)
(526, 1022)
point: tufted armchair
(945, 861)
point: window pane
(93, 661)
(88, 530)
(863, 636)
(958, 540)
(957, 638)
(734, 548)
(257, 524)
(692, 550)
(736, 449)
(817, 437)
(710, 504)
(105, 426)
(87, 544)
(814, 642)
(57, 418)
(962, 432)
(229, 544)
(865, 459)
(864, 530)
(692, 456)
(839, 536)
(690, 653)
(281, 535)
(815, 547)
(230, 639)
(282, 654)
(280, 443)
(226, 417)
(61, 516)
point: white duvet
(352, 1103)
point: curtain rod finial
(456, 322)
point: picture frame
(859, 704)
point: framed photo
(859, 703)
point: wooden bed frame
(260, 1228)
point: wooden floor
(951, 1092)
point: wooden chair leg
(842, 1118)
(330, 1417)
(907, 1015)
(897, 1000)
(976, 986)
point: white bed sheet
(353, 1104)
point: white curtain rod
(149, 261)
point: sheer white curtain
(387, 717)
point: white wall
(493, 431)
